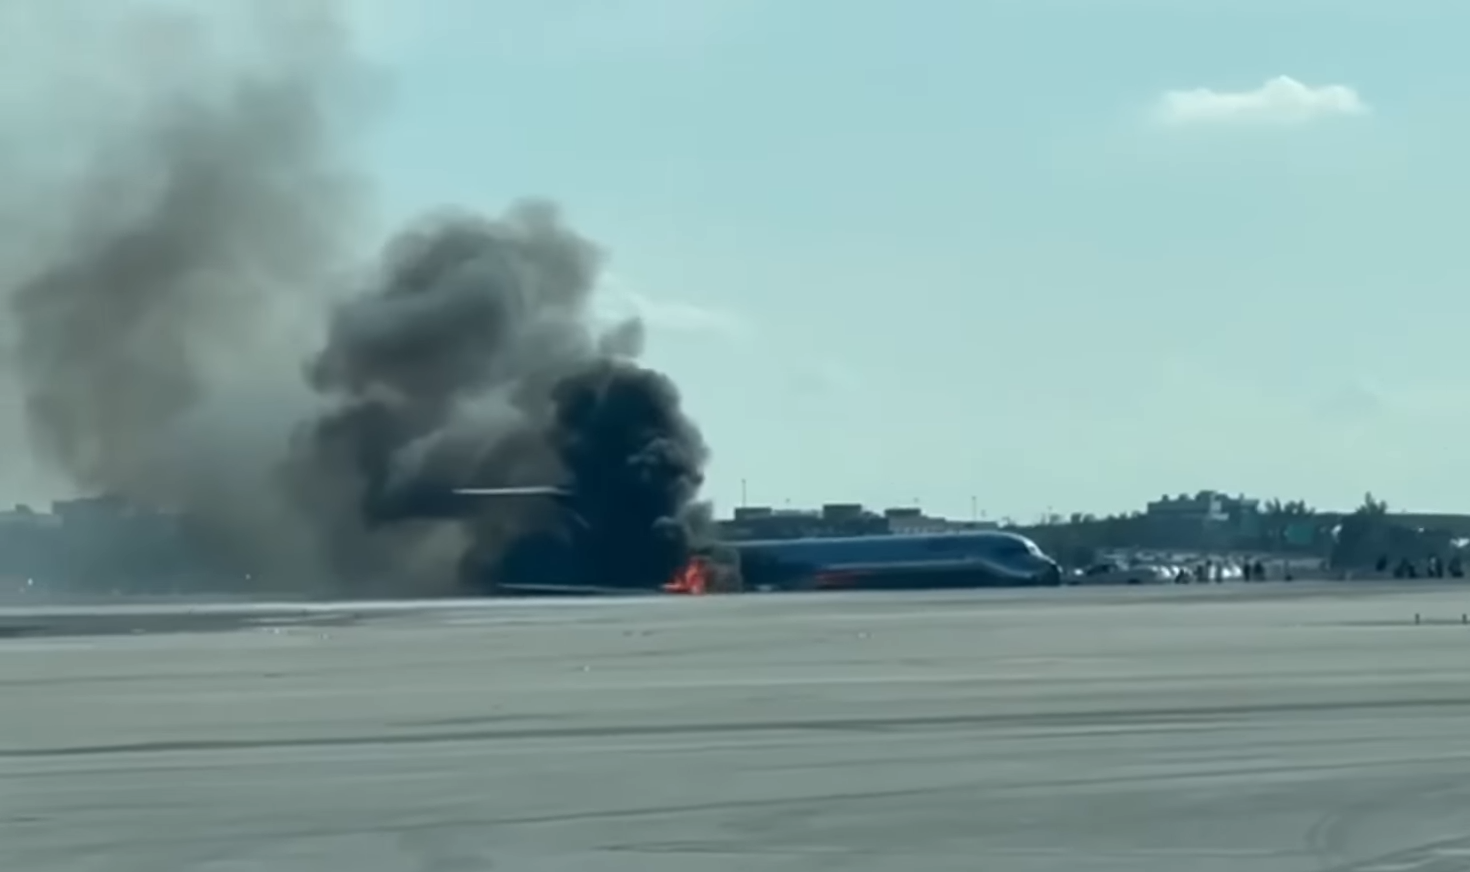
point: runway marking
(743, 849)
(391, 607)
(42, 646)
(511, 621)
(1140, 853)
(454, 752)
(620, 683)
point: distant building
(23, 518)
(91, 511)
(912, 521)
(1454, 524)
(1208, 512)
(833, 519)
(836, 519)
(29, 546)
(1203, 507)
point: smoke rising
(150, 333)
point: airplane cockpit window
(1012, 548)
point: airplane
(527, 491)
(989, 558)
(422, 501)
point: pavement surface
(1265, 728)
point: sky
(1020, 255)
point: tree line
(1363, 538)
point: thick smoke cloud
(148, 343)
(474, 362)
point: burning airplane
(151, 313)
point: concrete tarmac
(1261, 728)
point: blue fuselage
(948, 560)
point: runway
(1270, 727)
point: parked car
(1109, 572)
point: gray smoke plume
(149, 316)
(200, 205)
(476, 362)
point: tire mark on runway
(1328, 838)
(1009, 784)
(1447, 855)
(1142, 717)
(415, 825)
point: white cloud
(824, 376)
(617, 301)
(1282, 100)
(1355, 402)
(683, 316)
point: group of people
(1211, 571)
(1433, 567)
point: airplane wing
(531, 491)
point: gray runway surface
(1251, 729)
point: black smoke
(634, 465)
(475, 361)
(176, 264)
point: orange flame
(691, 579)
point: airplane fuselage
(947, 560)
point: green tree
(1364, 536)
(1289, 524)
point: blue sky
(898, 250)
(1042, 253)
